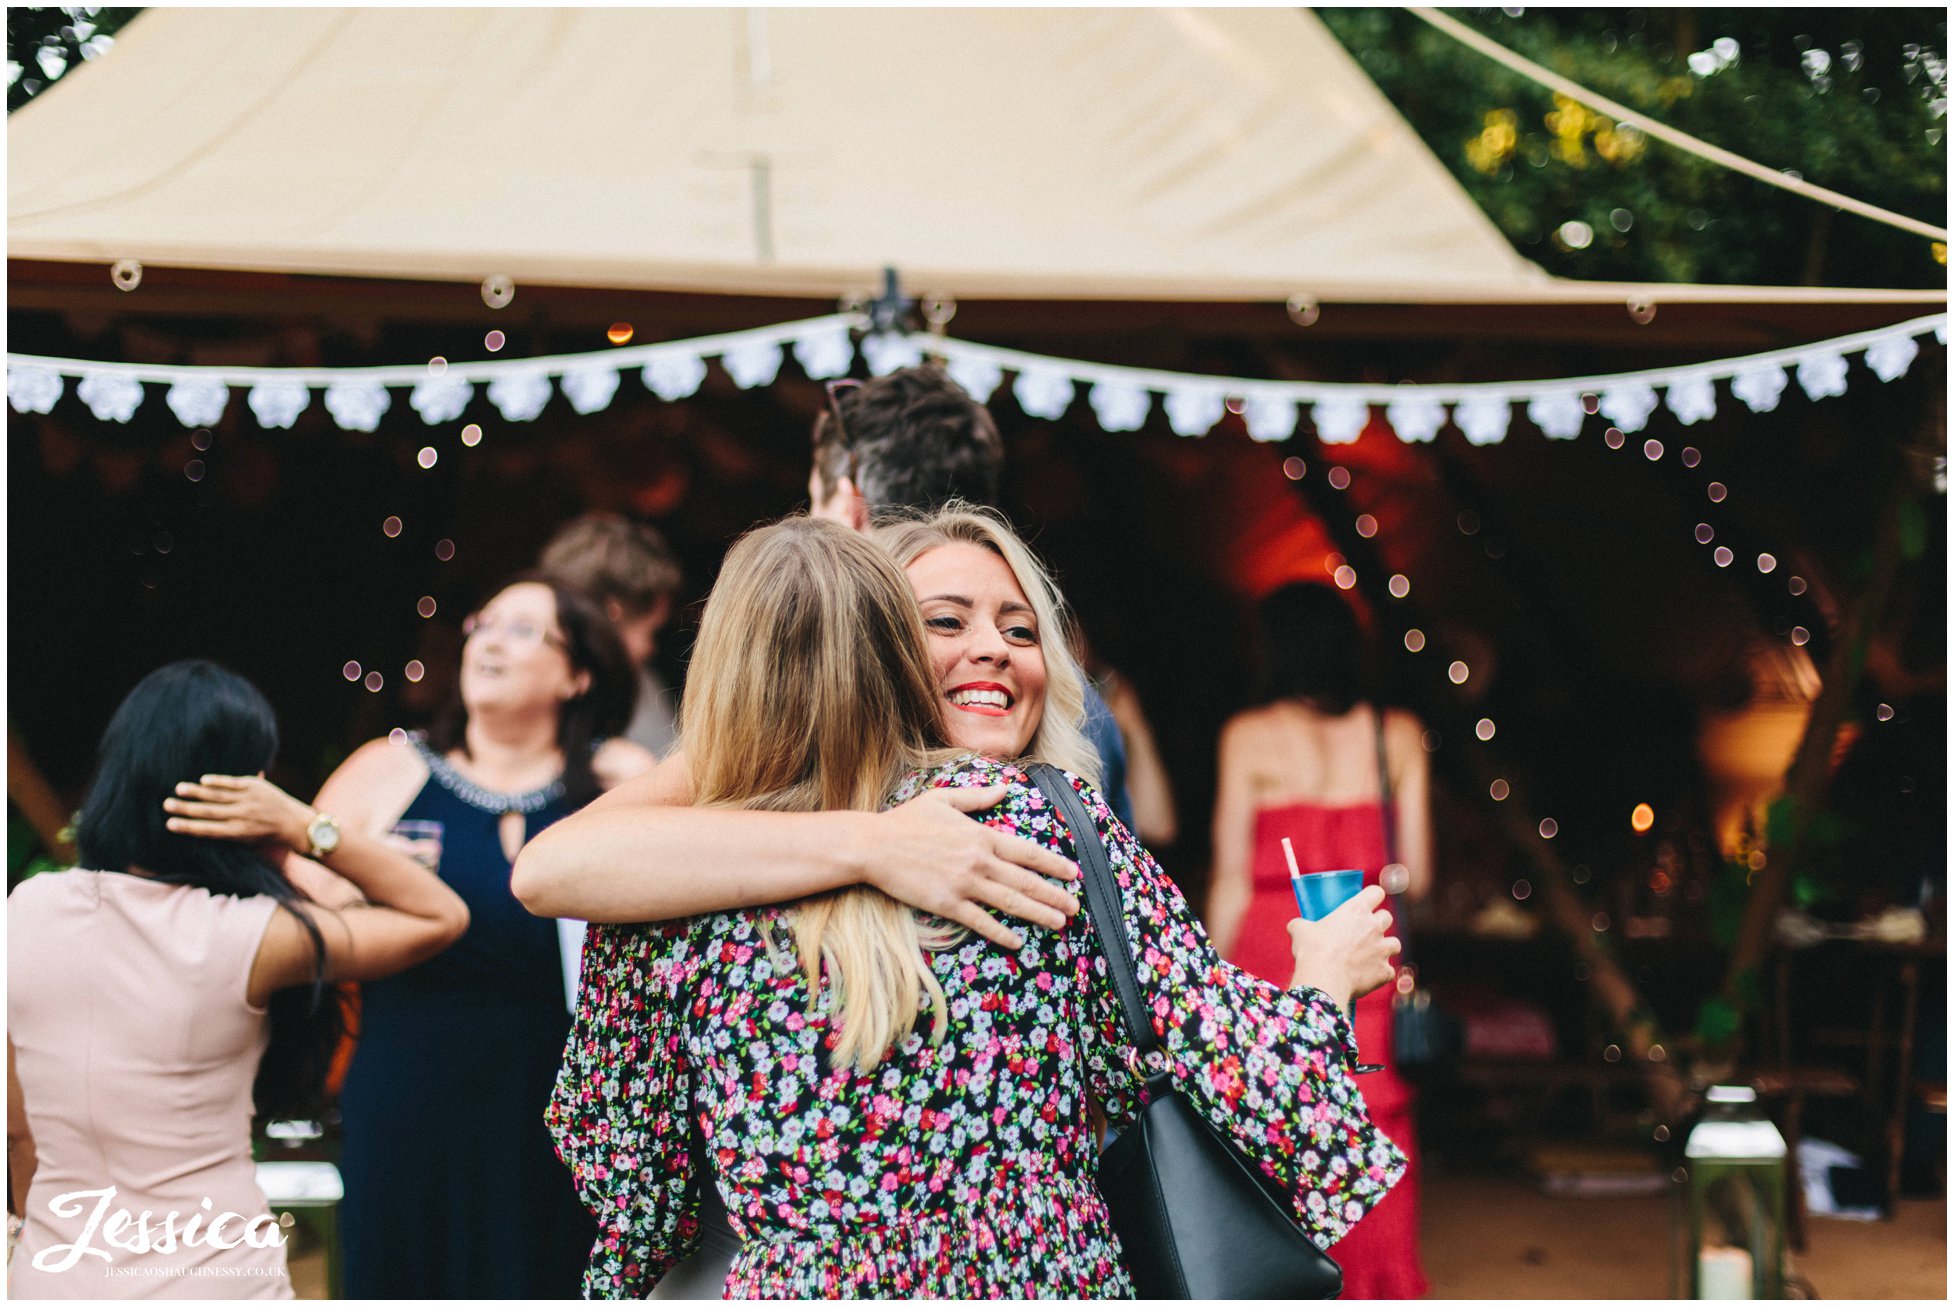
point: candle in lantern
(1723, 1273)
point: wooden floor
(1503, 1238)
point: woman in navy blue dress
(452, 1187)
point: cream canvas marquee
(1115, 153)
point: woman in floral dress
(915, 1121)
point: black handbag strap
(1102, 901)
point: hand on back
(929, 854)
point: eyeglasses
(836, 389)
(518, 633)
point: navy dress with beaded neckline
(453, 1189)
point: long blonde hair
(1060, 738)
(811, 689)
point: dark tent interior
(1610, 660)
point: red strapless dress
(1380, 1256)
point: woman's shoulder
(617, 760)
(1257, 723)
(1023, 789)
(380, 773)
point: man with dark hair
(633, 575)
(915, 439)
(912, 439)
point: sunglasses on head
(836, 389)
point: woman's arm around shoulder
(640, 853)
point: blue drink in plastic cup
(1319, 893)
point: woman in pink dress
(1306, 766)
(177, 984)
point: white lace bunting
(1119, 398)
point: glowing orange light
(1642, 820)
(1346, 577)
(1484, 730)
(1400, 586)
(1366, 526)
(620, 333)
(1458, 672)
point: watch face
(325, 835)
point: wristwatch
(322, 834)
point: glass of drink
(1318, 894)
(419, 840)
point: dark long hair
(183, 721)
(601, 711)
(1313, 648)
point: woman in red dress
(1306, 766)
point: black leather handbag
(1195, 1218)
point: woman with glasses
(452, 1188)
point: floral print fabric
(964, 1169)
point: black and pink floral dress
(959, 1170)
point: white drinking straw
(1289, 852)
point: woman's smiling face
(985, 644)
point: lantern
(1734, 1244)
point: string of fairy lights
(1398, 587)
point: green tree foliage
(45, 43)
(1851, 99)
